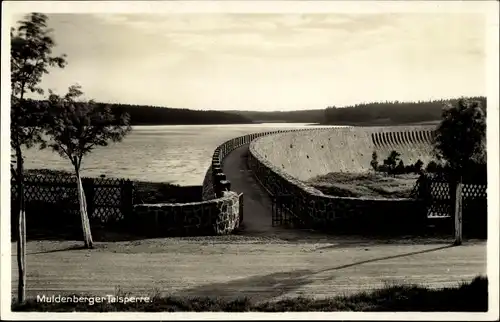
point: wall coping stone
(227, 195)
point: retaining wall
(219, 216)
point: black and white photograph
(244, 159)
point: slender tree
(31, 56)
(374, 161)
(75, 127)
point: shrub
(400, 168)
(417, 167)
(374, 162)
(392, 166)
(392, 161)
(432, 167)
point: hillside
(154, 115)
(390, 113)
(308, 116)
(367, 114)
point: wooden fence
(55, 198)
(436, 194)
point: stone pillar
(220, 177)
(222, 186)
(218, 188)
(215, 171)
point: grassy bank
(466, 297)
(365, 185)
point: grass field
(465, 297)
(368, 184)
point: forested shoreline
(155, 115)
(374, 113)
(390, 113)
(364, 114)
(304, 116)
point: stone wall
(310, 208)
(219, 216)
(207, 191)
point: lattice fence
(108, 199)
(437, 194)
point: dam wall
(305, 155)
(282, 161)
(277, 160)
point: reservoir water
(178, 154)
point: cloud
(292, 35)
(200, 60)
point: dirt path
(257, 212)
(260, 269)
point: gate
(280, 209)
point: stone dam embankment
(307, 154)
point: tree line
(305, 116)
(392, 113)
(155, 115)
(375, 113)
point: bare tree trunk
(458, 212)
(87, 234)
(21, 240)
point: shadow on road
(268, 287)
(74, 233)
(259, 288)
(66, 249)
(385, 258)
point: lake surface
(178, 154)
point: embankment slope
(308, 154)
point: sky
(269, 61)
